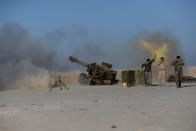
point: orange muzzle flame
(161, 50)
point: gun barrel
(74, 59)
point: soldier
(178, 69)
(148, 71)
(162, 71)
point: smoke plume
(132, 54)
(26, 61)
(145, 44)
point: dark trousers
(148, 77)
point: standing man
(162, 71)
(178, 69)
(147, 67)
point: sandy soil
(99, 108)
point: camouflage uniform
(178, 69)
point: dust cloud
(26, 60)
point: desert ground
(100, 108)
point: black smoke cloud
(25, 60)
(16, 44)
(23, 57)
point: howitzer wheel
(83, 79)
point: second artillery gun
(98, 74)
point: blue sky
(116, 20)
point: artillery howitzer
(98, 74)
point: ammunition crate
(132, 77)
